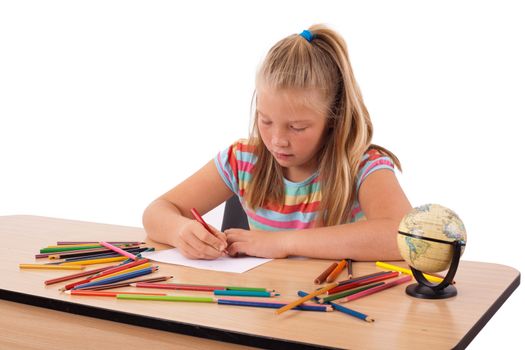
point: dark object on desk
(234, 215)
(349, 268)
(427, 290)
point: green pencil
(166, 298)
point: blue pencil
(118, 278)
(273, 305)
(243, 293)
(343, 309)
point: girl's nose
(280, 140)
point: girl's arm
(168, 218)
(384, 205)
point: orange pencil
(333, 275)
(322, 277)
(306, 298)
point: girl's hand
(195, 242)
(263, 244)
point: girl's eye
(295, 128)
(265, 122)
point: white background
(105, 105)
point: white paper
(224, 263)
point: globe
(426, 236)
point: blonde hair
(322, 64)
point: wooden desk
(402, 322)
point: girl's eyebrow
(291, 121)
(261, 113)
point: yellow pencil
(50, 267)
(94, 261)
(406, 271)
(306, 298)
(131, 269)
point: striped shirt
(302, 199)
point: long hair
(322, 64)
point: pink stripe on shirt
(296, 224)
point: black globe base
(421, 291)
(425, 290)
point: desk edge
(194, 330)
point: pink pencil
(375, 289)
(118, 250)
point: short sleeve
(372, 161)
(226, 163)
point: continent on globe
(426, 235)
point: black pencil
(349, 267)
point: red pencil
(177, 286)
(76, 275)
(199, 218)
(363, 282)
(364, 293)
(105, 294)
(106, 272)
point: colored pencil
(118, 273)
(124, 295)
(138, 255)
(175, 286)
(349, 268)
(197, 287)
(50, 267)
(76, 275)
(346, 286)
(94, 261)
(334, 274)
(122, 267)
(345, 310)
(93, 256)
(94, 242)
(104, 294)
(322, 308)
(70, 245)
(355, 279)
(364, 293)
(322, 277)
(68, 248)
(118, 250)
(305, 298)
(119, 278)
(244, 293)
(64, 255)
(406, 271)
(125, 284)
(199, 218)
(253, 289)
(348, 292)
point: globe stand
(427, 290)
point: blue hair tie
(307, 35)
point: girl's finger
(187, 250)
(204, 250)
(237, 248)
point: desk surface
(401, 321)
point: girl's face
(291, 129)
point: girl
(308, 178)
